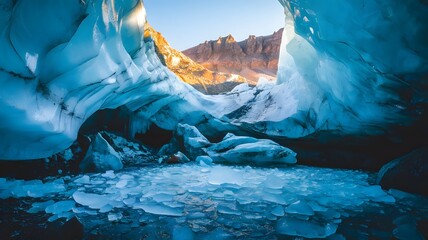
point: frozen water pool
(218, 202)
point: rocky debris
(252, 58)
(408, 173)
(131, 152)
(101, 157)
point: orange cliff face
(204, 80)
(252, 58)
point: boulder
(101, 157)
(193, 140)
(248, 150)
(408, 173)
(176, 158)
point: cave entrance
(118, 121)
(215, 46)
(155, 136)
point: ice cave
(101, 138)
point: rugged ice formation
(62, 61)
(248, 150)
(231, 149)
(365, 61)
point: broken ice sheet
(295, 201)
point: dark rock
(177, 158)
(423, 228)
(101, 157)
(71, 229)
(84, 142)
(408, 173)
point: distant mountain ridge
(204, 80)
(252, 58)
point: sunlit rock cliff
(252, 58)
(186, 69)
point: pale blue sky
(186, 23)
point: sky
(186, 23)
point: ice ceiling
(348, 66)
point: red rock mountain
(204, 80)
(252, 58)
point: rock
(132, 153)
(252, 58)
(101, 157)
(408, 173)
(176, 158)
(71, 229)
(204, 80)
(168, 149)
(248, 150)
(194, 142)
(423, 228)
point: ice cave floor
(194, 201)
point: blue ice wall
(355, 66)
(63, 60)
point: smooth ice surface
(238, 201)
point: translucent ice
(159, 209)
(91, 200)
(40, 206)
(59, 207)
(300, 207)
(301, 201)
(296, 227)
(278, 211)
(221, 175)
(242, 150)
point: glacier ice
(242, 150)
(298, 227)
(364, 61)
(368, 67)
(48, 91)
(60, 207)
(311, 202)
